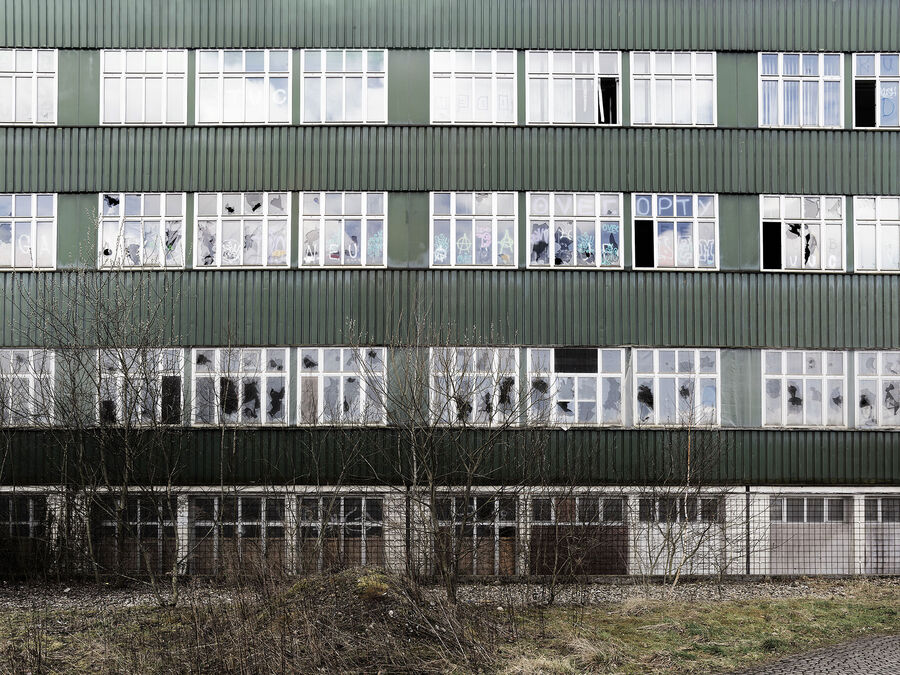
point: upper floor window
(343, 228)
(26, 386)
(801, 90)
(876, 90)
(473, 86)
(341, 385)
(573, 87)
(673, 88)
(28, 86)
(244, 86)
(675, 231)
(474, 386)
(141, 386)
(573, 385)
(676, 387)
(802, 233)
(878, 389)
(473, 229)
(804, 388)
(27, 231)
(242, 229)
(141, 230)
(877, 233)
(568, 229)
(245, 386)
(143, 87)
(344, 86)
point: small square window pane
(278, 61)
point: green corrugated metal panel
(724, 309)
(465, 158)
(827, 25)
(577, 456)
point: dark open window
(609, 95)
(643, 243)
(865, 103)
(575, 360)
(771, 245)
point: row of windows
(489, 533)
(565, 230)
(482, 386)
(237, 86)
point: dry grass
(363, 621)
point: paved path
(866, 656)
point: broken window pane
(148, 237)
(810, 88)
(876, 84)
(249, 230)
(807, 237)
(687, 400)
(341, 386)
(575, 386)
(240, 386)
(555, 236)
(811, 391)
(688, 243)
(474, 386)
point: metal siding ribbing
(750, 161)
(576, 456)
(720, 309)
(750, 25)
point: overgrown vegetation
(366, 621)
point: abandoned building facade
(595, 287)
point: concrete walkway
(866, 656)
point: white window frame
(695, 220)
(337, 520)
(40, 376)
(880, 220)
(220, 370)
(220, 218)
(220, 76)
(681, 502)
(881, 378)
(33, 220)
(695, 375)
(321, 218)
(453, 217)
(116, 256)
(34, 523)
(555, 418)
(36, 76)
(693, 77)
(599, 220)
(166, 75)
(439, 399)
(820, 79)
(878, 78)
(847, 512)
(476, 522)
(550, 74)
(821, 221)
(218, 523)
(146, 367)
(453, 73)
(824, 378)
(323, 74)
(878, 501)
(371, 384)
